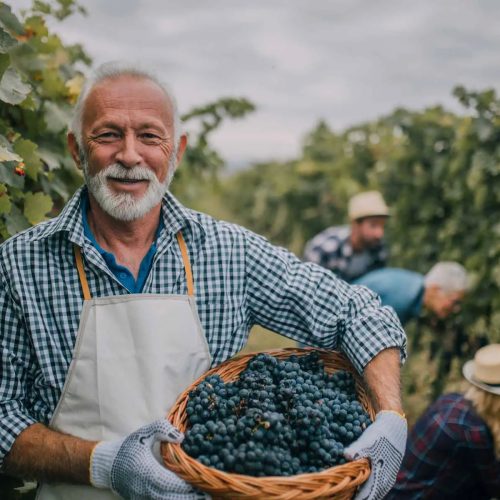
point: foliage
(289, 202)
(442, 181)
(39, 83)
(439, 172)
(201, 164)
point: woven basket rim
(340, 480)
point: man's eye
(108, 135)
(150, 136)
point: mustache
(118, 171)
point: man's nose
(128, 155)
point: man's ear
(181, 148)
(74, 149)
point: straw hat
(367, 204)
(484, 370)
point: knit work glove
(383, 442)
(129, 468)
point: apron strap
(81, 273)
(187, 263)
(185, 260)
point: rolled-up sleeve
(369, 328)
(309, 304)
(15, 354)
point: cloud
(345, 61)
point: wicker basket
(339, 482)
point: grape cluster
(280, 418)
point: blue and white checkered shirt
(332, 249)
(240, 280)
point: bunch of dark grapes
(280, 418)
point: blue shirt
(401, 289)
(123, 274)
(240, 280)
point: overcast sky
(345, 61)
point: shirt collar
(175, 216)
(69, 220)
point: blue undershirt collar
(122, 274)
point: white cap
(484, 370)
(367, 204)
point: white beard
(125, 206)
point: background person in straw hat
(440, 291)
(454, 449)
(351, 251)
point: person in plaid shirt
(110, 310)
(354, 250)
(453, 450)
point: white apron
(134, 354)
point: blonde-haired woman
(453, 450)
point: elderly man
(351, 251)
(440, 291)
(110, 310)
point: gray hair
(451, 277)
(116, 69)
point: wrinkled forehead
(128, 95)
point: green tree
(440, 173)
(202, 165)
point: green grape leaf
(12, 89)
(4, 141)
(37, 26)
(5, 204)
(36, 207)
(51, 159)
(57, 186)
(6, 155)
(28, 151)
(57, 116)
(43, 7)
(9, 21)
(4, 63)
(15, 221)
(8, 175)
(6, 41)
(52, 84)
(29, 103)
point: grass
(261, 339)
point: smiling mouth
(127, 181)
